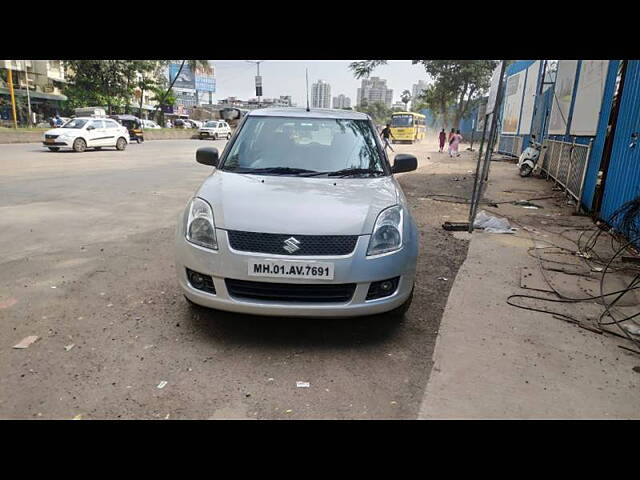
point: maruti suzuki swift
(301, 216)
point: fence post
(584, 174)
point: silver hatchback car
(301, 216)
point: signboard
(493, 89)
(586, 110)
(533, 72)
(186, 78)
(513, 102)
(562, 95)
(258, 86)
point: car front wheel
(121, 144)
(79, 145)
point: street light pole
(257, 62)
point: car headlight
(387, 232)
(200, 228)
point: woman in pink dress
(455, 142)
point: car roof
(326, 113)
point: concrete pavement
(495, 361)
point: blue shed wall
(595, 157)
(623, 175)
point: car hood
(60, 131)
(297, 205)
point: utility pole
(258, 79)
(13, 100)
(26, 77)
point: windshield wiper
(354, 171)
(272, 170)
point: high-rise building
(417, 90)
(341, 101)
(374, 90)
(321, 95)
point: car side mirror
(91, 127)
(207, 156)
(404, 162)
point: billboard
(562, 95)
(528, 103)
(586, 110)
(186, 79)
(512, 102)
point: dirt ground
(88, 267)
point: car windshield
(305, 146)
(401, 120)
(75, 123)
(211, 124)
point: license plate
(290, 269)
(49, 140)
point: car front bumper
(58, 143)
(354, 268)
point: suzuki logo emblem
(291, 245)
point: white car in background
(215, 129)
(150, 124)
(87, 132)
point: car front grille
(51, 137)
(308, 245)
(291, 292)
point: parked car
(87, 132)
(215, 129)
(301, 216)
(150, 124)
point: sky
(235, 78)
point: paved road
(86, 261)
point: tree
(100, 83)
(455, 82)
(406, 98)
(378, 111)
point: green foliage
(98, 83)
(378, 111)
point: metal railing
(566, 164)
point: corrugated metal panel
(623, 176)
(598, 142)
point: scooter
(529, 158)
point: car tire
(398, 313)
(79, 145)
(121, 144)
(228, 136)
(215, 136)
(54, 149)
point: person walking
(452, 134)
(443, 138)
(385, 133)
(455, 142)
